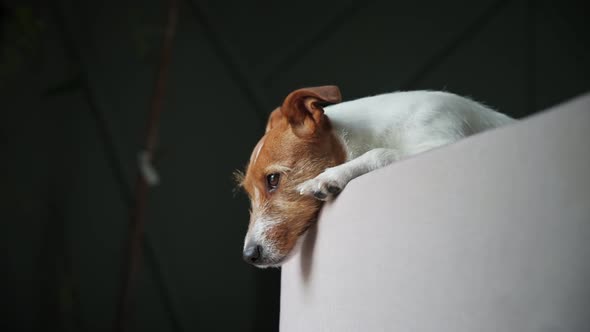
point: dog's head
(298, 145)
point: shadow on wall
(307, 252)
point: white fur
(257, 149)
(379, 130)
(257, 235)
(261, 224)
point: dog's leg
(331, 182)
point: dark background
(76, 79)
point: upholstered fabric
(489, 234)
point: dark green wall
(74, 105)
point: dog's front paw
(325, 186)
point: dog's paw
(325, 186)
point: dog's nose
(252, 253)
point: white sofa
(489, 234)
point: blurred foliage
(22, 32)
(20, 40)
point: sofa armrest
(488, 234)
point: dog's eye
(272, 181)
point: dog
(314, 144)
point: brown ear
(303, 108)
(273, 119)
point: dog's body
(307, 155)
(376, 131)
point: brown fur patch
(306, 158)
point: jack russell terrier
(310, 152)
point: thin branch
(114, 162)
(137, 217)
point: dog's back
(410, 122)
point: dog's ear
(273, 119)
(303, 108)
